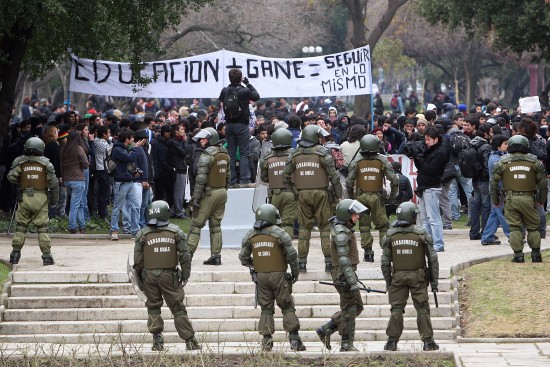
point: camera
(415, 149)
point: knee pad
(153, 311)
(423, 311)
(180, 313)
(215, 229)
(287, 310)
(42, 229)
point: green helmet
(407, 211)
(312, 133)
(281, 138)
(518, 143)
(267, 214)
(208, 133)
(347, 207)
(369, 144)
(34, 146)
(158, 213)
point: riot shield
(260, 191)
(136, 281)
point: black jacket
(245, 94)
(176, 155)
(430, 166)
(483, 149)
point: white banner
(344, 74)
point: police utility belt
(31, 190)
(519, 193)
(279, 191)
(360, 192)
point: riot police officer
(272, 252)
(271, 171)
(35, 176)
(405, 249)
(365, 182)
(210, 193)
(345, 257)
(524, 183)
(159, 247)
(311, 173)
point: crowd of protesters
(155, 155)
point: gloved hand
(245, 81)
(184, 282)
(294, 277)
(194, 204)
(354, 287)
(247, 263)
(388, 284)
(434, 287)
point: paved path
(83, 253)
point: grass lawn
(502, 299)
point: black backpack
(231, 107)
(458, 142)
(469, 163)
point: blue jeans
(85, 198)
(431, 217)
(496, 218)
(480, 204)
(146, 199)
(126, 191)
(238, 136)
(77, 190)
(466, 184)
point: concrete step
(119, 289)
(207, 337)
(230, 300)
(239, 312)
(202, 325)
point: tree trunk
(14, 48)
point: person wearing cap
(344, 258)
(37, 185)
(409, 263)
(365, 182)
(311, 173)
(159, 248)
(524, 184)
(267, 250)
(421, 126)
(210, 193)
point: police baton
(435, 299)
(367, 289)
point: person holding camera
(430, 158)
(235, 99)
(124, 189)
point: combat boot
(213, 261)
(430, 345)
(267, 343)
(47, 259)
(192, 344)
(518, 257)
(295, 342)
(158, 342)
(14, 257)
(302, 265)
(328, 264)
(369, 257)
(347, 346)
(324, 333)
(391, 346)
(536, 257)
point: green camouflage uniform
(309, 172)
(280, 194)
(365, 183)
(406, 247)
(211, 194)
(524, 183)
(157, 252)
(270, 249)
(35, 176)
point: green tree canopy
(519, 25)
(35, 35)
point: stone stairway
(93, 308)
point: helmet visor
(357, 207)
(201, 135)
